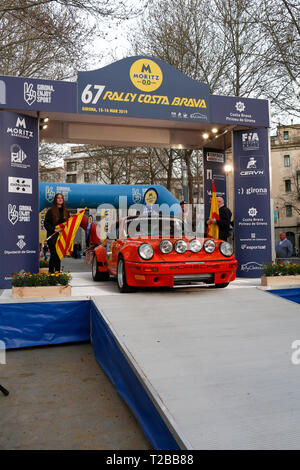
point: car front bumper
(169, 274)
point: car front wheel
(121, 277)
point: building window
(287, 161)
(285, 135)
(98, 164)
(71, 179)
(71, 166)
(98, 176)
(86, 165)
(288, 211)
(86, 177)
(288, 186)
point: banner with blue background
(143, 87)
(252, 219)
(19, 195)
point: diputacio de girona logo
(146, 75)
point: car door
(112, 248)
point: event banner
(213, 169)
(252, 218)
(19, 249)
(143, 87)
(37, 94)
(234, 110)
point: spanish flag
(213, 229)
(64, 244)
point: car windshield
(154, 227)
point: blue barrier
(289, 294)
(112, 360)
(43, 323)
(47, 323)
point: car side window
(113, 232)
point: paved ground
(75, 265)
(61, 399)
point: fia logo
(13, 214)
(250, 141)
(29, 93)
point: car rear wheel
(97, 276)
(121, 277)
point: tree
(51, 38)
(279, 20)
(244, 48)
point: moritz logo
(146, 75)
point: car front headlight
(226, 249)
(195, 245)
(209, 246)
(180, 246)
(166, 246)
(145, 251)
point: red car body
(120, 257)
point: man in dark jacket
(224, 220)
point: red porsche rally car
(148, 252)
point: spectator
(283, 248)
(224, 220)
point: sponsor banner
(213, 169)
(239, 111)
(252, 219)
(19, 195)
(143, 87)
(38, 95)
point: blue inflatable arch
(93, 195)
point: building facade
(285, 151)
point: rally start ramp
(216, 364)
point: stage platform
(214, 363)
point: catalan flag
(64, 244)
(213, 229)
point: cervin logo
(250, 141)
(252, 166)
(146, 75)
(20, 129)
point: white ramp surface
(219, 361)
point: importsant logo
(146, 75)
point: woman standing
(56, 215)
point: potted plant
(44, 266)
(280, 274)
(27, 285)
